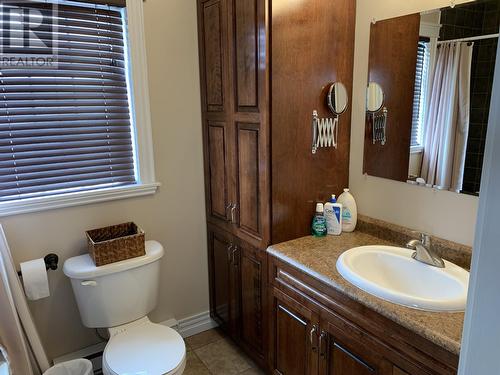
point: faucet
(423, 252)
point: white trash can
(75, 367)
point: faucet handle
(425, 238)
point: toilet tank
(117, 293)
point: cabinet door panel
(213, 24)
(248, 178)
(294, 337)
(220, 277)
(253, 283)
(246, 54)
(217, 170)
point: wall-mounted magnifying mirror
(337, 98)
(374, 97)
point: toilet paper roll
(36, 283)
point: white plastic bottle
(349, 211)
(333, 216)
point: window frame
(146, 183)
(423, 96)
(431, 31)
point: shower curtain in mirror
(446, 124)
(18, 334)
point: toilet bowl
(143, 347)
(119, 296)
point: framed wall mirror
(435, 72)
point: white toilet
(119, 296)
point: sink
(392, 274)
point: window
(67, 125)
(420, 93)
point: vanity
(322, 324)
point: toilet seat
(144, 348)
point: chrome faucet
(423, 252)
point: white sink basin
(392, 274)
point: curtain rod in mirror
(470, 39)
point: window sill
(75, 199)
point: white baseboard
(186, 327)
(192, 325)
(85, 352)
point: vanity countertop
(317, 257)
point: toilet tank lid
(83, 267)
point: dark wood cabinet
(238, 292)
(305, 344)
(234, 101)
(235, 54)
(316, 330)
(294, 333)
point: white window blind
(69, 129)
(419, 95)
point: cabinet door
(252, 267)
(249, 120)
(220, 248)
(346, 350)
(212, 31)
(217, 172)
(294, 337)
(217, 132)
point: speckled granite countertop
(317, 257)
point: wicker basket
(115, 243)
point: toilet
(118, 297)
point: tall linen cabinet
(264, 67)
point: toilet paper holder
(51, 262)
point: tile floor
(210, 353)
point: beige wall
(175, 215)
(445, 214)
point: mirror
(337, 98)
(374, 97)
(435, 73)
